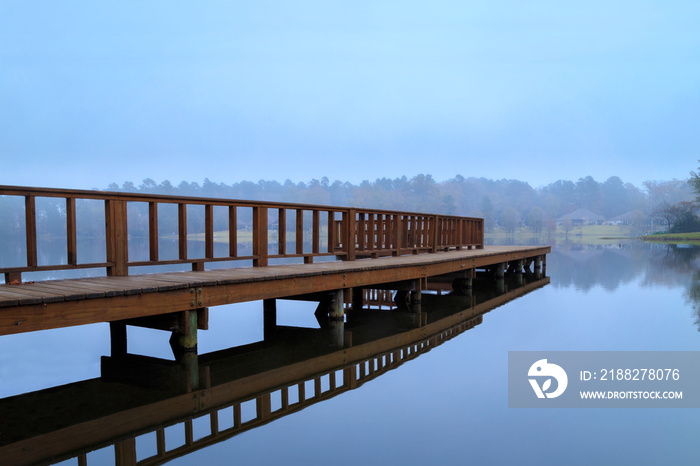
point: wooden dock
(36, 306)
(362, 249)
(346, 259)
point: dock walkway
(61, 303)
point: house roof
(583, 214)
(627, 216)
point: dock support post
(336, 321)
(185, 340)
(471, 274)
(184, 345)
(519, 272)
(500, 271)
(269, 318)
(117, 337)
(336, 311)
(358, 301)
(337, 333)
(189, 361)
(538, 267)
(544, 265)
(464, 285)
(416, 297)
(500, 275)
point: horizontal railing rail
(256, 231)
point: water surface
(449, 405)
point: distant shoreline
(691, 238)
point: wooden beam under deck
(63, 303)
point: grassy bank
(675, 238)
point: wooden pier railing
(257, 231)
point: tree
(670, 192)
(615, 197)
(589, 194)
(487, 212)
(148, 186)
(568, 225)
(447, 204)
(535, 220)
(561, 197)
(694, 181)
(551, 226)
(680, 217)
(509, 220)
(686, 220)
(665, 211)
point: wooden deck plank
(73, 289)
(137, 284)
(18, 297)
(32, 291)
(8, 300)
(107, 289)
(162, 283)
(60, 289)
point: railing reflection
(143, 405)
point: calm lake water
(450, 404)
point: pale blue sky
(113, 91)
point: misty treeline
(509, 204)
(500, 202)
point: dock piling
(269, 318)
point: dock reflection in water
(213, 397)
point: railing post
(209, 231)
(299, 231)
(117, 237)
(370, 232)
(331, 231)
(349, 234)
(362, 232)
(480, 233)
(182, 230)
(260, 236)
(460, 233)
(411, 236)
(434, 233)
(71, 235)
(396, 233)
(315, 236)
(153, 231)
(30, 218)
(281, 231)
(263, 406)
(125, 452)
(232, 231)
